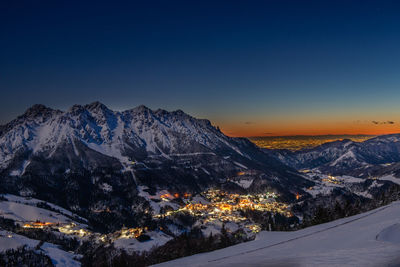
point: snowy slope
(23, 210)
(368, 239)
(158, 238)
(60, 258)
(34, 202)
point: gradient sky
(252, 67)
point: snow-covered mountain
(126, 135)
(346, 157)
(90, 158)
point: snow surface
(325, 187)
(368, 239)
(156, 206)
(23, 209)
(349, 155)
(158, 238)
(390, 234)
(240, 165)
(390, 178)
(25, 213)
(60, 258)
(245, 183)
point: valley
(139, 185)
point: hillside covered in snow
(374, 157)
(368, 239)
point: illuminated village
(331, 179)
(74, 230)
(212, 207)
(225, 207)
(65, 228)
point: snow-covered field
(368, 239)
(60, 258)
(33, 202)
(132, 244)
(23, 210)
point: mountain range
(90, 159)
(95, 182)
(374, 157)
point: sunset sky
(253, 68)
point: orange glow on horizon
(307, 133)
(310, 129)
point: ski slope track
(368, 239)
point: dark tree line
(24, 257)
(187, 244)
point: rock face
(91, 159)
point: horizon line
(315, 135)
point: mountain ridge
(70, 157)
(344, 156)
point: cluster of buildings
(331, 179)
(225, 207)
(74, 229)
(216, 206)
(65, 228)
(128, 233)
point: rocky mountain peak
(141, 109)
(38, 110)
(97, 106)
(75, 109)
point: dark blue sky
(264, 66)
